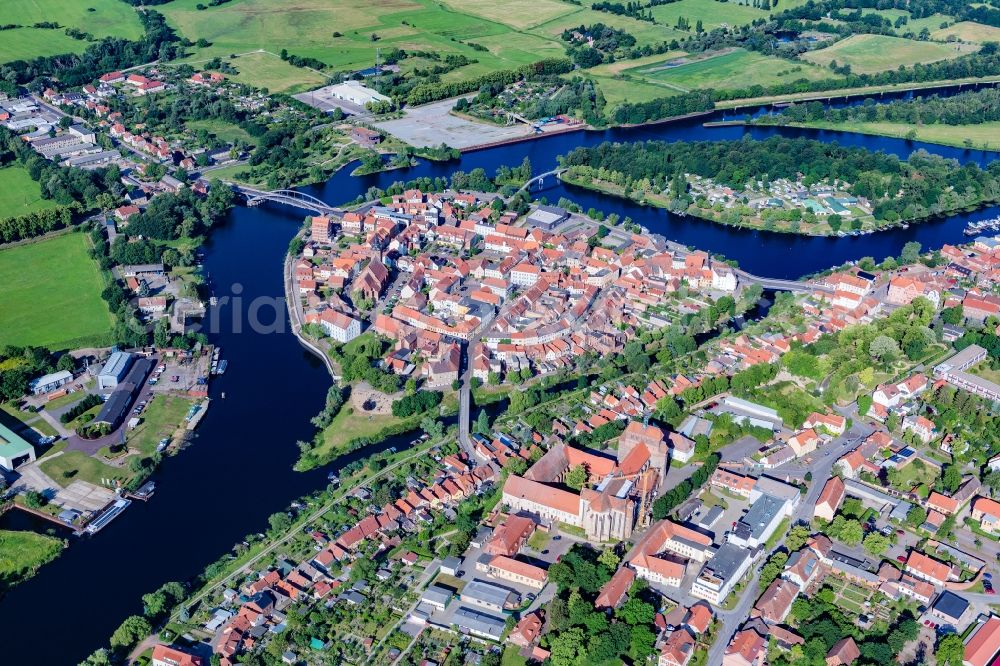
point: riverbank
(983, 136)
(24, 553)
(848, 93)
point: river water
(239, 468)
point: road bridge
(540, 178)
(292, 198)
(778, 284)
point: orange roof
(833, 492)
(519, 568)
(539, 493)
(700, 616)
(987, 506)
(928, 566)
(614, 590)
(984, 644)
(171, 655)
(943, 503)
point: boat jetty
(990, 224)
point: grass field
(306, 28)
(22, 553)
(969, 31)
(108, 18)
(71, 466)
(350, 424)
(50, 294)
(733, 69)
(161, 419)
(983, 136)
(518, 14)
(221, 129)
(867, 54)
(713, 14)
(19, 194)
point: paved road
(731, 620)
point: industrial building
(114, 370)
(14, 450)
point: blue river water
(239, 468)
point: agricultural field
(968, 31)
(101, 18)
(868, 54)
(735, 68)
(643, 31)
(714, 14)
(912, 25)
(518, 14)
(307, 27)
(50, 294)
(19, 194)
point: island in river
(799, 186)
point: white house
(339, 326)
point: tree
(566, 649)
(884, 350)
(635, 611)
(852, 533)
(131, 631)
(576, 477)
(609, 558)
(279, 522)
(916, 516)
(876, 544)
(951, 478)
(950, 651)
(482, 424)
(911, 253)
(797, 537)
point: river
(238, 470)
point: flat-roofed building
(478, 623)
(486, 595)
(759, 522)
(720, 574)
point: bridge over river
(292, 198)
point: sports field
(101, 18)
(50, 294)
(868, 54)
(732, 69)
(969, 31)
(19, 194)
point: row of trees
(679, 493)
(968, 108)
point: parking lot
(432, 124)
(179, 374)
